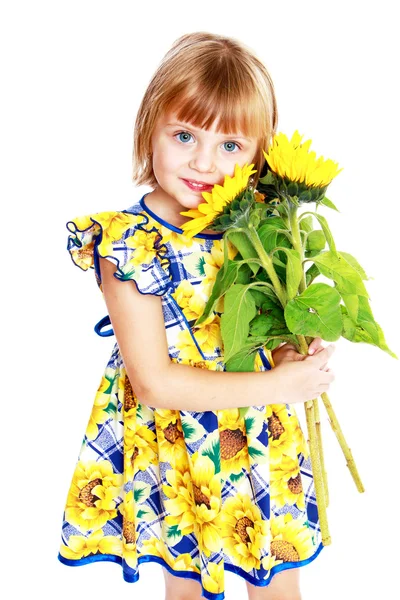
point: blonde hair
(204, 77)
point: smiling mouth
(201, 187)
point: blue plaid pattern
(165, 486)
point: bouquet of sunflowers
(269, 289)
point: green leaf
(264, 289)
(316, 312)
(259, 297)
(140, 492)
(239, 310)
(335, 266)
(294, 272)
(242, 361)
(268, 179)
(235, 477)
(316, 240)
(244, 274)
(325, 228)
(269, 235)
(326, 202)
(352, 303)
(358, 333)
(269, 304)
(366, 320)
(356, 265)
(240, 240)
(192, 429)
(173, 534)
(127, 273)
(261, 324)
(142, 513)
(249, 422)
(306, 224)
(311, 274)
(226, 276)
(213, 451)
(255, 452)
(111, 408)
(328, 235)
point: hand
(287, 352)
(301, 380)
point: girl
(170, 471)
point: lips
(201, 187)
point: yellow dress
(200, 493)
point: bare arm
(139, 328)
(138, 325)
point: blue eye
(233, 143)
(189, 135)
(184, 133)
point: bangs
(234, 109)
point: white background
(73, 74)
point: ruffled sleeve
(124, 239)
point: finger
(323, 356)
(315, 345)
(328, 377)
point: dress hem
(188, 574)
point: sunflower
(134, 508)
(207, 503)
(128, 399)
(216, 200)
(212, 264)
(112, 224)
(233, 441)
(80, 546)
(207, 335)
(187, 348)
(156, 547)
(140, 449)
(291, 541)
(286, 484)
(98, 416)
(285, 437)
(214, 581)
(295, 171)
(191, 303)
(146, 246)
(177, 240)
(102, 399)
(127, 510)
(93, 495)
(292, 160)
(171, 443)
(83, 256)
(194, 501)
(180, 503)
(244, 531)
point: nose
(203, 160)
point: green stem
(267, 263)
(296, 236)
(311, 406)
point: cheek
(167, 158)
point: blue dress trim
(206, 236)
(187, 574)
(103, 323)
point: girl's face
(182, 152)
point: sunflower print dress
(199, 493)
